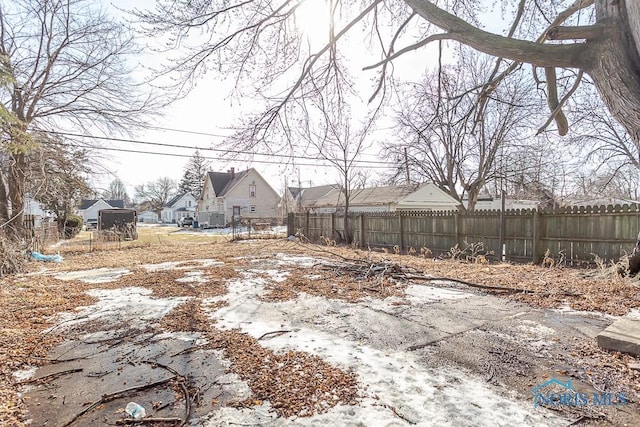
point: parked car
(187, 221)
(91, 224)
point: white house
(89, 208)
(149, 217)
(300, 199)
(180, 206)
(245, 194)
(418, 197)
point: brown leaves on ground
(334, 285)
(175, 283)
(548, 287)
(294, 382)
(28, 305)
(188, 317)
(605, 371)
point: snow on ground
(398, 389)
(178, 265)
(392, 379)
(127, 306)
(228, 231)
(97, 275)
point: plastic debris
(135, 411)
(37, 256)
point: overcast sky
(208, 113)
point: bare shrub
(12, 256)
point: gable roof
(224, 181)
(175, 199)
(367, 196)
(87, 203)
(294, 191)
(311, 195)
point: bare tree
(566, 42)
(445, 139)
(157, 193)
(331, 137)
(599, 38)
(65, 63)
(117, 191)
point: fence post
(362, 240)
(501, 234)
(290, 224)
(536, 246)
(402, 242)
(458, 229)
(333, 227)
(306, 225)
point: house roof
(601, 201)
(367, 196)
(311, 195)
(176, 198)
(294, 191)
(223, 182)
(87, 203)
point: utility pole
(406, 165)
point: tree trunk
(16, 181)
(610, 54)
(615, 62)
(4, 201)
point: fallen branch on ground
(112, 396)
(49, 377)
(274, 333)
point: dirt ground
(278, 332)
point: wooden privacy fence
(575, 234)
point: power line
(220, 150)
(273, 162)
(193, 132)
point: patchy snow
(98, 275)
(566, 309)
(304, 261)
(275, 275)
(177, 265)
(193, 277)
(25, 374)
(536, 329)
(129, 305)
(392, 379)
(421, 293)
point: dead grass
(29, 302)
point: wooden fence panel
(518, 238)
(482, 227)
(578, 233)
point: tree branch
(558, 105)
(587, 32)
(564, 55)
(423, 42)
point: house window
(252, 191)
(252, 208)
(221, 208)
(189, 203)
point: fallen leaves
(331, 284)
(294, 382)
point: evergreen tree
(193, 177)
